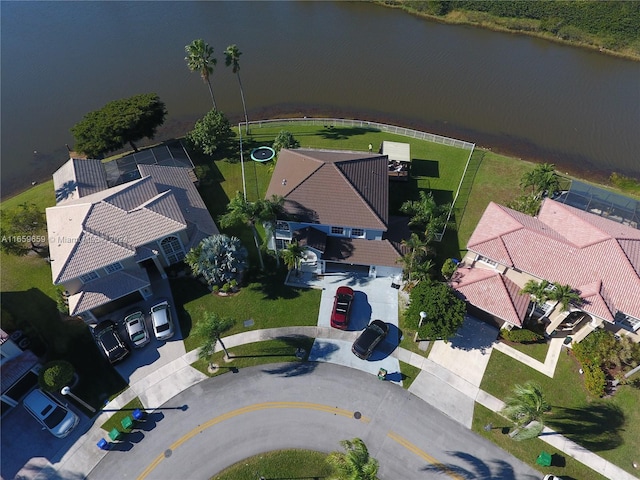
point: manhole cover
(357, 415)
(167, 453)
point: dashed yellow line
(414, 449)
(241, 411)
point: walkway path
(170, 379)
(550, 361)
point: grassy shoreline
(517, 26)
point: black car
(108, 339)
(369, 338)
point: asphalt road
(313, 405)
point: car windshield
(136, 337)
(162, 328)
(55, 417)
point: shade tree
(219, 259)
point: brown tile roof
(358, 251)
(311, 237)
(14, 369)
(568, 246)
(492, 292)
(333, 187)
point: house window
(87, 277)
(627, 322)
(337, 230)
(357, 232)
(172, 249)
(114, 267)
(488, 261)
(284, 226)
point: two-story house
(599, 258)
(105, 243)
(337, 207)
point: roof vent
(284, 181)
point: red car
(341, 308)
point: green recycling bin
(544, 459)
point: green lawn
(528, 450)
(534, 350)
(280, 464)
(116, 418)
(609, 427)
(260, 353)
(266, 301)
(409, 374)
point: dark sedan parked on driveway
(108, 339)
(370, 337)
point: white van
(51, 415)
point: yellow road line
(414, 449)
(241, 411)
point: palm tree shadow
(473, 468)
(342, 133)
(596, 427)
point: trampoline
(263, 154)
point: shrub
(61, 301)
(448, 267)
(521, 335)
(55, 375)
(594, 379)
(225, 288)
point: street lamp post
(423, 316)
(67, 391)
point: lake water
(524, 96)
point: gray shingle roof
(332, 187)
(78, 178)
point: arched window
(172, 249)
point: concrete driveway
(373, 299)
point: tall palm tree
(200, 59)
(232, 58)
(418, 249)
(564, 295)
(210, 328)
(239, 210)
(527, 404)
(292, 255)
(355, 464)
(538, 291)
(272, 209)
(426, 215)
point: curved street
(222, 420)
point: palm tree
(232, 58)
(418, 249)
(210, 328)
(272, 209)
(239, 210)
(355, 464)
(426, 215)
(527, 405)
(543, 178)
(564, 295)
(292, 255)
(200, 59)
(218, 259)
(538, 291)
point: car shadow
(388, 345)
(360, 312)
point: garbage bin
(544, 459)
(382, 374)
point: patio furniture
(126, 422)
(115, 435)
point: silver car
(161, 321)
(58, 420)
(137, 329)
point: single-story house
(19, 368)
(105, 243)
(337, 207)
(597, 257)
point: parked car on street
(55, 418)
(161, 321)
(137, 329)
(342, 307)
(370, 337)
(108, 339)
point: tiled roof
(328, 187)
(78, 178)
(359, 251)
(311, 237)
(14, 369)
(567, 246)
(491, 292)
(107, 289)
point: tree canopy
(119, 122)
(356, 463)
(527, 404)
(218, 259)
(210, 329)
(285, 139)
(445, 311)
(22, 229)
(200, 59)
(211, 132)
